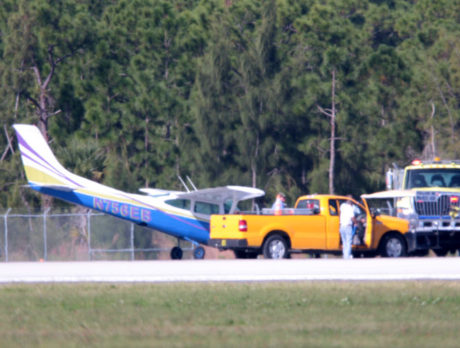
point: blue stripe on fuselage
(175, 225)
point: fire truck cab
(431, 204)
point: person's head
(281, 197)
(349, 199)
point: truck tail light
(243, 226)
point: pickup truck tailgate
(226, 226)
(225, 231)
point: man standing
(347, 219)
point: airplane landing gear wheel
(176, 253)
(199, 253)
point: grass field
(298, 314)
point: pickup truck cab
(312, 226)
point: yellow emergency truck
(431, 202)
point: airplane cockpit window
(206, 208)
(228, 206)
(179, 203)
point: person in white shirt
(348, 212)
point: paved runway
(233, 270)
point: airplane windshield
(437, 177)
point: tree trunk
(331, 113)
(332, 144)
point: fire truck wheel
(275, 247)
(393, 245)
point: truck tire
(393, 245)
(275, 247)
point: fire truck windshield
(434, 177)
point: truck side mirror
(375, 212)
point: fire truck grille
(435, 203)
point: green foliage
(229, 92)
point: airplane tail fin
(41, 166)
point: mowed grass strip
(332, 314)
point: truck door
(308, 231)
(332, 228)
(370, 228)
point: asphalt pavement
(424, 268)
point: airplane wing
(220, 194)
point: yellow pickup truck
(312, 226)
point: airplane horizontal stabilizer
(157, 192)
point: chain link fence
(81, 235)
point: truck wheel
(393, 246)
(275, 247)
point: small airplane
(182, 214)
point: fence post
(90, 252)
(132, 241)
(45, 247)
(5, 217)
